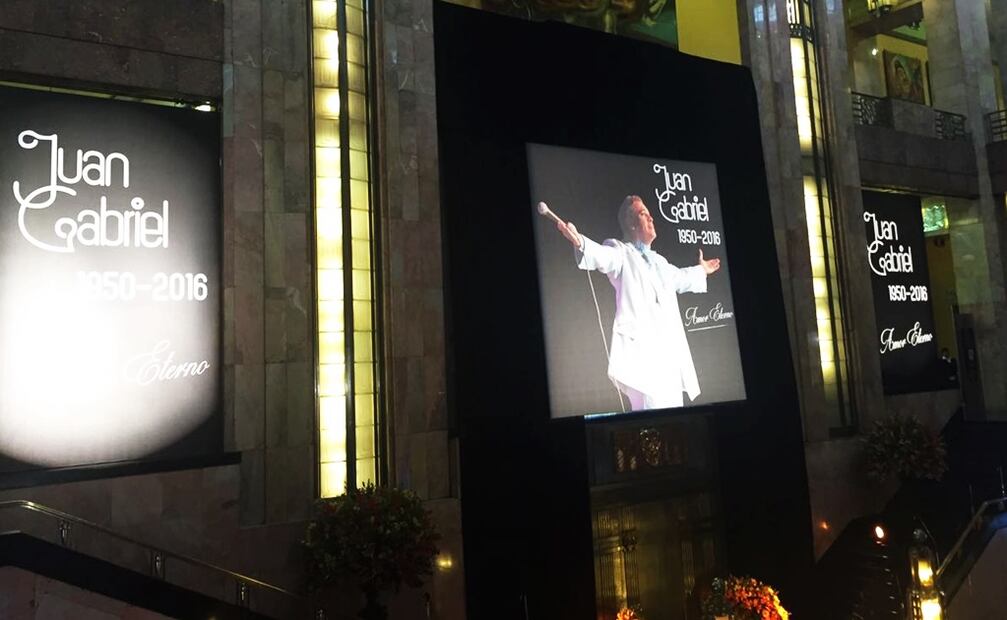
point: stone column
(424, 451)
(766, 51)
(848, 209)
(961, 79)
(835, 492)
(997, 17)
(267, 265)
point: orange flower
(757, 599)
(627, 614)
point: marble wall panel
(88, 63)
(184, 28)
(414, 271)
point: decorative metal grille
(997, 125)
(869, 110)
(949, 126)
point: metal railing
(871, 110)
(949, 126)
(996, 124)
(87, 537)
(877, 112)
(986, 510)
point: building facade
(337, 339)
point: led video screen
(634, 281)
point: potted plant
(375, 538)
(904, 447)
(743, 598)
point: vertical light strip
(361, 226)
(818, 212)
(347, 414)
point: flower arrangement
(743, 598)
(629, 613)
(374, 537)
(904, 447)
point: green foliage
(904, 447)
(375, 537)
(714, 604)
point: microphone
(543, 209)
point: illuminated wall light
(344, 276)
(931, 609)
(925, 572)
(327, 103)
(444, 562)
(817, 203)
(328, 194)
(323, 13)
(326, 43)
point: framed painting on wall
(904, 77)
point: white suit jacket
(649, 352)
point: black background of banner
(587, 188)
(526, 504)
(912, 368)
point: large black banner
(109, 281)
(632, 325)
(897, 256)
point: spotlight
(879, 534)
(874, 51)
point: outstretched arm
(590, 255)
(570, 232)
(709, 266)
(693, 279)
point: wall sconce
(444, 562)
(924, 597)
(880, 7)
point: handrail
(971, 527)
(243, 581)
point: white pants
(639, 401)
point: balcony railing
(949, 126)
(996, 124)
(914, 118)
(870, 110)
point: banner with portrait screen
(897, 258)
(110, 265)
(636, 295)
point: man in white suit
(650, 360)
